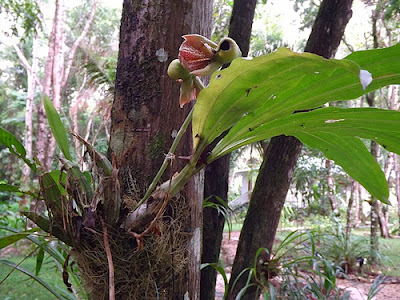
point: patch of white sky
(279, 16)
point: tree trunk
(45, 142)
(350, 207)
(76, 44)
(217, 173)
(397, 172)
(265, 207)
(269, 196)
(357, 200)
(331, 187)
(146, 113)
(215, 184)
(374, 239)
(30, 97)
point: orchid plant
(284, 93)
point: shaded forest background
(70, 52)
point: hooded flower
(198, 56)
(203, 57)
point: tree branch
(77, 43)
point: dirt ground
(358, 287)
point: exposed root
(145, 274)
(110, 262)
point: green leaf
(383, 64)
(380, 125)
(277, 90)
(15, 189)
(10, 141)
(59, 178)
(340, 125)
(50, 288)
(15, 237)
(57, 127)
(78, 185)
(49, 248)
(256, 99)
(355, 159)
(45, 224)
(252, 92)
(39, 261)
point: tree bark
(265, 207)
(241, 23)
(331, 187)
(350, 206)
(374, 239)
(217, 173)
(397, 172)
(261, 221)
(146, 113)
(30, 97)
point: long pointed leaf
(15, 189)
(37, 279)
(380, 125)
(355, 159)
(11, 142)
(252, 92)
(15, 237)
(39, 261)
(312, 90)
(57, 127)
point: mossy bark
(146, 115)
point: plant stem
(164, 165)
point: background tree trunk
(397, 172)
(217, 173)
(350, 207)
(280, 158)
(331, 187)
(374, 239)
(146, 113)
(30, 97)
(53, 71)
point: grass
(389, 250)
(19, 286)
(391, 256)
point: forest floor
(356, 285)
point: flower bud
(177, 71)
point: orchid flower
(199, 56)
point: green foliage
(344, 249)
(305, 273)
(221, 15)
(222, 207)
(42, 246)
(25, 13)
(9, 215)
(220, 269)
(14, 237)
(57, 127)
(255, 99)
(375, 289)
(308, 11)
(15, 147)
